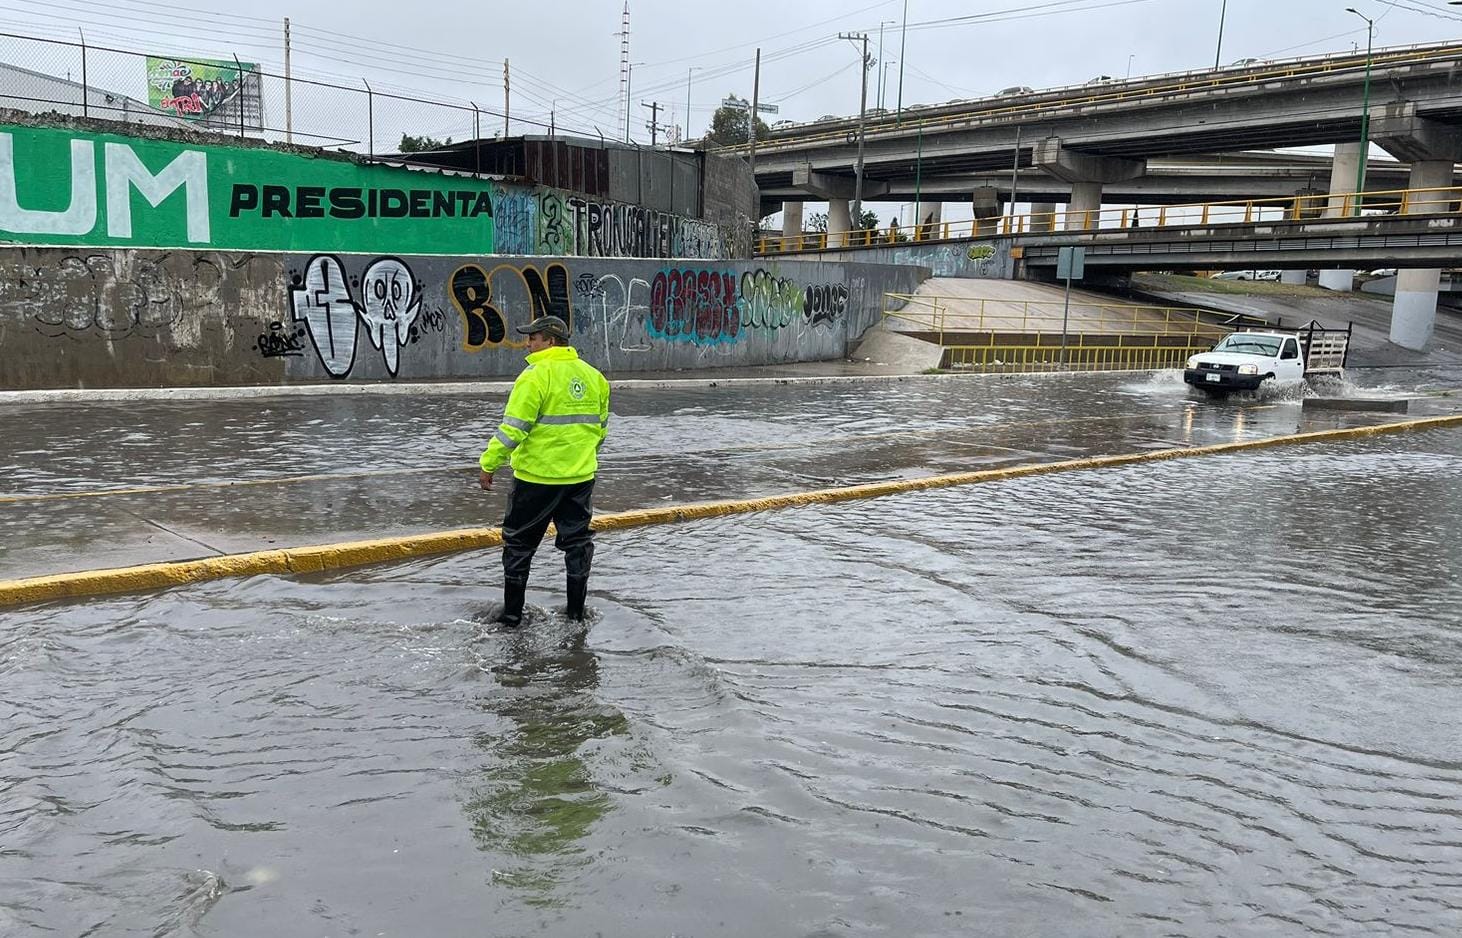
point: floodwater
(1210, 697)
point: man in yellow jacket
(554, 424)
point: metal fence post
(370, 119)
(476, 136)
(84, 92)
(243, 91)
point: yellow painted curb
(384, 550)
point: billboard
(215, 93)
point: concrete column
(1085, 197)
(839, 222)
(927, 217)
(1043, 216)
(791, 219)
(1414, 312)
(1343, 167)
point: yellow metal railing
(1432, 201)
(1081, 354)
(997, 335)
(1135, 90)
(930, 313)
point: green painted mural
(64, 187)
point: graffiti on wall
(772, 302)
(115, 297)
(710, 307)
(610, 229)
(487, 302)
(388, 303)
(515, 220)
(555, 225)
(695, 305)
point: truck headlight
(1248, 369)
(1192, 361)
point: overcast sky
(569, 52)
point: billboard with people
(213, 92)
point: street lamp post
(1365, 111)
(882, 62)
(1222, 15)
(903, 42)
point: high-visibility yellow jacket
(556, 418)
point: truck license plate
(1210, 377)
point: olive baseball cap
(552, 325)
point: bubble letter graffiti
(322, 302)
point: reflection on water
(537, 799)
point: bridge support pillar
(1414, 311)
(928, 221)
(1085, 208)
(1343, 167)
(1432, 148)
(1043, 216)
(839, 222)
(791, 219)
(1086, 172)
(988, 210)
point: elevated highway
(1175, 180)
(1106, 134)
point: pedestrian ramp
(1014, 326)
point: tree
(730, 122)
(867, 220)
(410, 144)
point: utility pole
(288, 103)
(654, 124)
(751, 126)
(507, 101)
(862, 117)
(1365, 111)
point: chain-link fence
(232, 96)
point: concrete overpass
(1177, 180)
(1105, 135)
(1402, 241)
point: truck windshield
(1250, 344)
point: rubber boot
(510, 613)
(578, 590)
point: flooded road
(1213, 697)
(182, 480)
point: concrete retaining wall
(76, 318)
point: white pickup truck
(1242, 361)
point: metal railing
(1431, 201)
(1183, 83)
(1082, 353)
(933, 314)
(991, 334)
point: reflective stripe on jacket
(556, 418)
